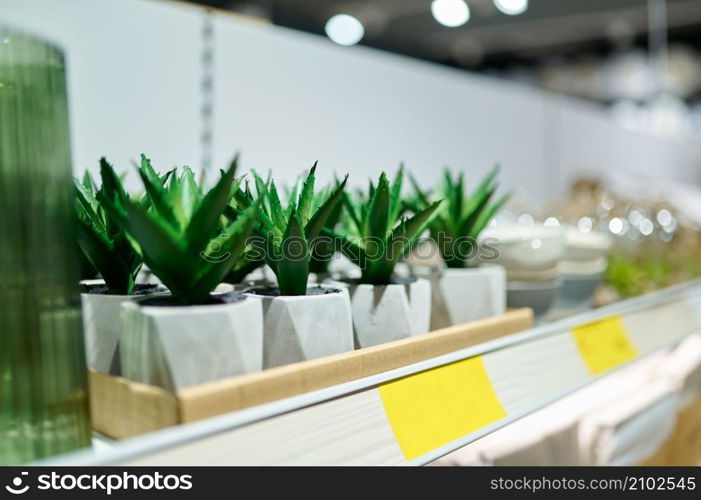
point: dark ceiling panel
(548, 28)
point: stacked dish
(582, 268)
(531, 255)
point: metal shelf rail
(417, 413)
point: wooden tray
(122, 408)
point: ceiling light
(512, 7)
(451, 13)
(344, 29)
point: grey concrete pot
(383, 313)
(179, 346)
(462, 295)
(298, 328)
(102, 326)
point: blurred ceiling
(548, 28)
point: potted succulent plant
(108, 249)
(385, 307)
(190, 336)
(465, 289)
(301, 321)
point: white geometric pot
(102, 326)
(383, 313)
(462, 295)
(102, 329)
(178, 346)
(304, 327)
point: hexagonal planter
(383, 313)
(304, 327)
(178, 346)
(102, 326)
(463, 295)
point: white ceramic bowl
(577, 291)
(590, 246)
(524, 247)
(538, 295)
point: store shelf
(121, 408)
(416, 413)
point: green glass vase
(43, 382)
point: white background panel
(287, 98)
(133, 75)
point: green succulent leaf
(157, 193)
(468, 224)
(88, 183)
(305, 197)
(159, 243)
(277, 214)
(462, 216)
(325, 211)
(376, 238)
(352, 212)
(409, 230)
(293, 267)
(487, 215)
(204, 221)
(290, 233)
(87, 209)
(190, 196)
(378, 213)
(118, 274)
(233, 242)
(181, 231)
(100, 238)
(395, 204)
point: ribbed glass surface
(43, 388)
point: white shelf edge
(161, 440)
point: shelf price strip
(435, 407)
(604, 344)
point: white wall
(286, 98)
(132, 75)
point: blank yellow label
(604, 344)
(433, 408)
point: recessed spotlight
(344, 29)
(512, 7)
(451, 13)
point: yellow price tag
(604, 344)
(433, 408)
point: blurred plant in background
(655, 244)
